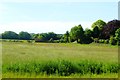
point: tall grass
(48, 59)
(62, 68)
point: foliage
(112, 41)
(100, 30)
(24, 35)
(96, 32)
(110, 28)
(77, 33)
(67, 36)
(87, 39)
(99, 23)
(117, 36)
(45, 37)
(10, 35)
(88, 32)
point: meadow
(59, 60)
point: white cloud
(41, 26)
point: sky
(38, 16)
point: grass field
(59, 60)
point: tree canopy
(99, 23)
(10, 35)
(77, 32)
(110, 28)
(24, 35)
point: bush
(112, 41)
(106, 41)
(101, 41)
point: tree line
(101, 32)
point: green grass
(39, 55)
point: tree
(52, 35)
(45, 37)
(67, 36)
(77, 33)
(117, 36)
(88, 32)
(96, 32)
(9, 35)
(110, 28)
(99, 23)
(24, 36)
(87, 36)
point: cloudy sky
(38, 16)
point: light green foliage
(112, 40)
(77, 32)
(99, 23)
(117, 36)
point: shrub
(101, 41)
(106, 41)
(112, 41)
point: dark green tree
(52, 35)
(67, 36)
(96, 32)
(88, 32)
(24, 36)
(9, 35)
(87, 36)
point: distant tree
(110, 28)
(67, 36)
(52, 35)
(77, 33)
(24, 36)
(88, 32)
(45, 37)
(99, 23)
(9, 35)
(35, 36)
(87, 36)
(96, 32)
(117, 36)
